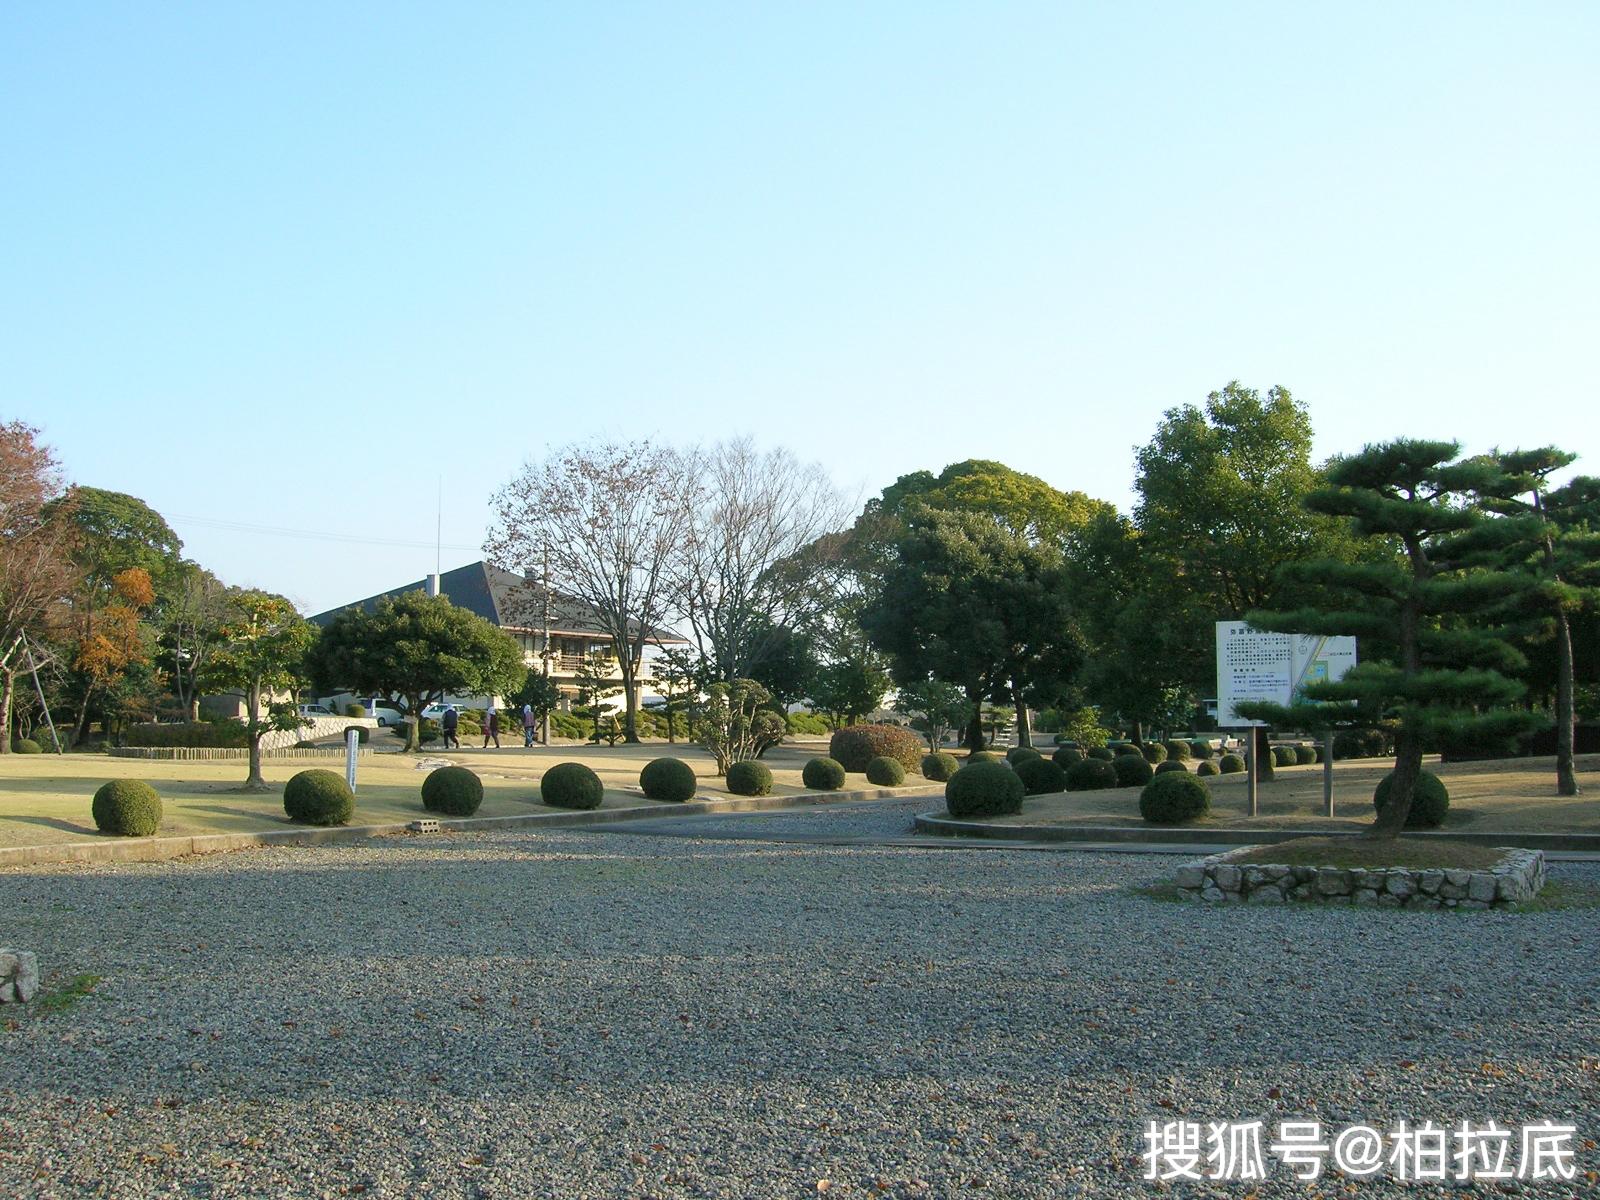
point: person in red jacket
(491, 728)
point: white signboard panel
(1255, 665)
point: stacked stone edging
(1217, 878)
(19, 976)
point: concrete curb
(944, 826)
(161, 849)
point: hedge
(128, 807)
(668, 779)
(1092, 774)
(886, 772)
(571, 785)
(750, 779)
(318, 797)
(1429, 802)
(453, 791)
(855, 746)
(823, 775)
(985, 789)
(1040, 776)
(939, 766)
(1174, 797)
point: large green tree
(261, 655)
(963, 600)
(1431, 663)
(1220, 514)
(416, 648)
(1021, 503)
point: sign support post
(1327, 772)
(1251, 778)
(352, 739)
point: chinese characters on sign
(1237, 1150)
(1253, 665)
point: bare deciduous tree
(750, 560)
(611, 517)
(36, 571)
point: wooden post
(1327, 772)
(1250, 765)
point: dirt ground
(1509, 794)
(44, 798)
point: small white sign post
(352, 739)
(1253, 664)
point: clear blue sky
(287, 265)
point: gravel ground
(589, 1015)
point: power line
(323, 535)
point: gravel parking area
(589, 1015)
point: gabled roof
(504, 599)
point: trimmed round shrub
(1066, 756)
(24, 745)
(1319, 753)
(453, 791)
(1132, 770)
(1017, 753)
(1429, 802)
(986, 789)
(1283, 756)
(1200, 748)
(1092, 774)
(1374, 743)
(1207, 766)
(1231, 764)
(1040, 776)
(1154, 752)
(1174, 797)
(571, 785)
(129, 807)
(1176, 748)
(1172, 764)
(886, 772)
(318, 797)
(824, 775)
(668, 779)
(1128, 748)
(981, 756)
(1304, 756)
(854, 746)
(939, 766)
(750, 779)
(1100, 753)
(1347, 744)
(355, 710)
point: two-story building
(523, 609)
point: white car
(385, 713)
(315, 710)
(435, 712)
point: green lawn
(1373, 853)
(44, 798)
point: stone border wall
(1518, 876)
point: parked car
(435, 712)
(316, 710)
(385, 713)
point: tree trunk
(974, 736)
(630, 703)
(1566, 774)
(1391, 820)
(8, 685)
(253, 707)
(414, 724)
(1136, 733)
(1024, 733)
(1261, 749)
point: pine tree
(1543, 535)
(1430, 663)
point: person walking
(448, 724)
(491, 728)
(527, 726)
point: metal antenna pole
(545, 655)
(33, 669)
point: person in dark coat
(448, 724)
(491, 728)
